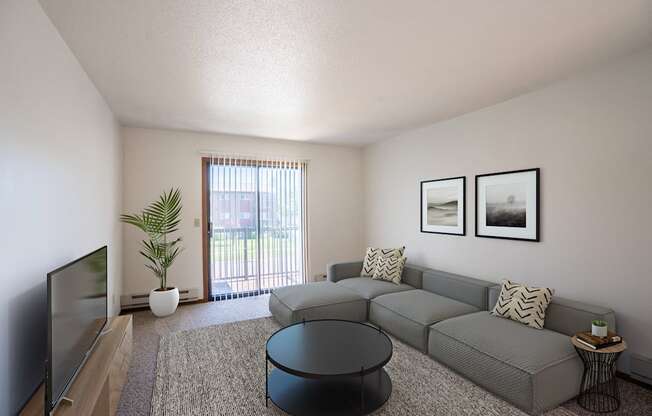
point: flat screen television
(77, 315)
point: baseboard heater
(141, 300)
(641, 368)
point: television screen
(77, 314)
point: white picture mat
(457, 183)
(530, 180)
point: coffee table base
(329, 396)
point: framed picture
(507, 205)
(443, 206)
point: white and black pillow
(523, 303)
(390, 268)
(372, 255)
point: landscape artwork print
(442, 206)
(507, 205)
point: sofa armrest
(492, 296)
(339, 271)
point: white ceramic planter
(599, 331)
(164, 303)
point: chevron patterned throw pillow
(523, 304)
(390, 268)
(371, 258)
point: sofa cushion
(408, 315)
(534, 369)
(422, 306)
(523, 304)
(320, 300)
(390, 269)
(369, 288)
(372, 255)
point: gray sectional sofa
(447, 317)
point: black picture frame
(421, 184)
(537, 221)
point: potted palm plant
(160, 219)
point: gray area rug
(220, 370)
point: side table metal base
(599, 389)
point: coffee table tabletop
(329, 348)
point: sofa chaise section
(534, 369)
(320, 300)
(409, 314)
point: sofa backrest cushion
(413, 275)
(568, 316)
(461, 288)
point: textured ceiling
(350, 71)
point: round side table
(599, 391)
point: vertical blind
(257, 211)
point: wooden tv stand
(96, 390)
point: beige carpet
(220, 370)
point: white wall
(592, 138)
(60, 178)
(156, 160)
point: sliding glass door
(255, 215)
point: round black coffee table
(328, 367)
